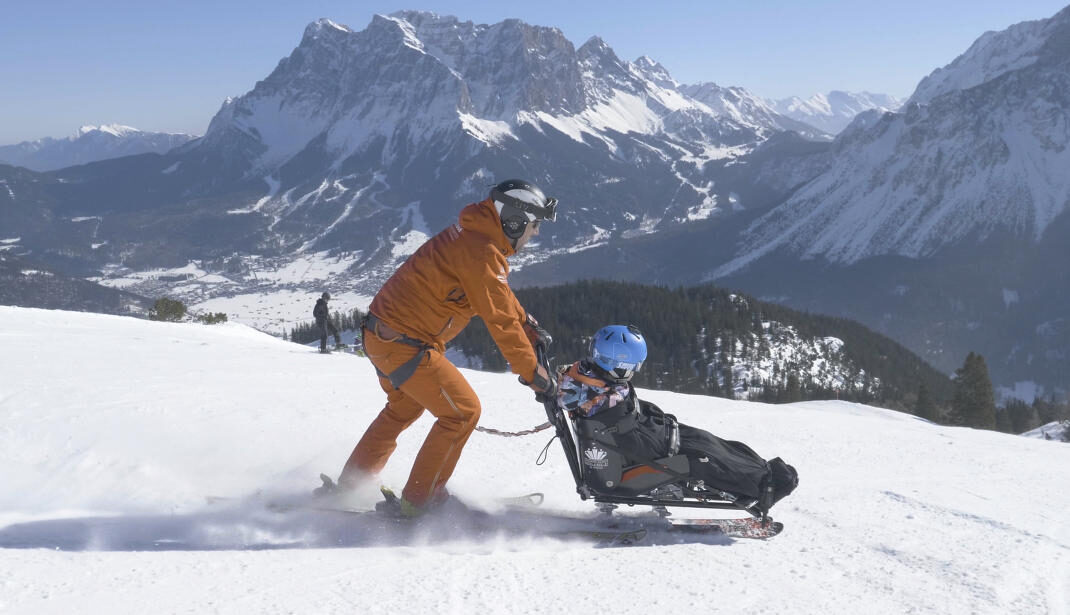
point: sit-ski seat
(607, 472)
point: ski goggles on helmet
(621, 370)
(625, 371)
(547, 212)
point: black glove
(536, 334)
(543, 381)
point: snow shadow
(253, 528)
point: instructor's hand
(544, 386)
(536, 334)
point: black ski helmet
(518, 203)
(326, 296)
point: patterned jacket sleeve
(587, 399)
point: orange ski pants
(437, 386)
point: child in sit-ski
(598, 388)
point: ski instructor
(455, 275)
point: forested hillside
(715, 342)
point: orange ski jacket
(457, 274)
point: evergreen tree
(974, 403)
(1046, 410)
(926, 407)
(170, 310)
(1021, 416)
(1003, 420)
(792, 391)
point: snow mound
(1055, 430)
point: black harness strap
(404, 371)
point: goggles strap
(549, 212)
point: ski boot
(442, 503)
(328, 488)
(393, 506)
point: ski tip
(772, 529)
(523, 501)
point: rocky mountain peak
(324, 27)
(997, 53)
(655, 72)
(114, 130)
(598, 51)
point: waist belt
(405, 371)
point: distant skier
(323, 320)
(598, 389)
(457, 274)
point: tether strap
(404, 371)
(514, 434)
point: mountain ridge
(89, 144)
(832, 112)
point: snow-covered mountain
(939, 225)
(89, 144)
(362, 143)
(980, 148)
(358, 117)
(945, 219)
(487, 82)
(832, 112)
(102, 500)
(744, 107)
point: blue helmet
(619, 350)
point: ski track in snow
(113, 430)
(350, 205)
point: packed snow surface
(113, 430)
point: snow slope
(112, 430)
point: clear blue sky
(167, 65)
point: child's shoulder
(581, 372)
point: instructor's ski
(529, 500)
(602, 537)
